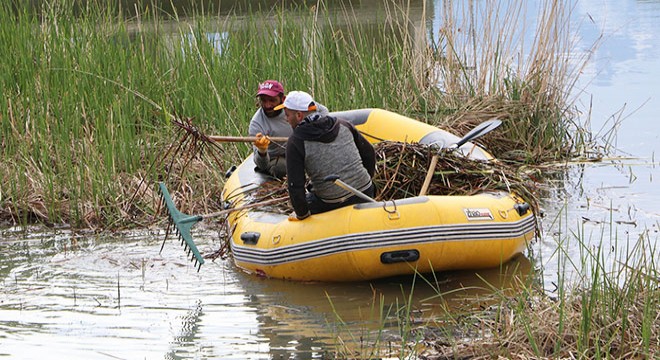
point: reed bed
(488, 66)
(88, 95)
(606, 310)
(606, 305)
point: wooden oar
(337, 181)
(480, 130)
(219, 138)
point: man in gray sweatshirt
(320, 146)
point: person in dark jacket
(322, 145)
(270, 122)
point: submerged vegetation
(88, 97)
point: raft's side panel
(368, 242)
(378, 124)
(449, 232)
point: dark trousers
(317, 205)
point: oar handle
(429, 175)
(219, 138)
(337, 181)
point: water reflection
(311, 314)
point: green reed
(604, 303)
(88, 95)
(608, 307)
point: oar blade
(182, 224)
(480, 130)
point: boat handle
(230, 171)
(521, 208)
(397, 256)
(276, 239)
(250, 238)
(391, 214)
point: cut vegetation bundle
(401, 169)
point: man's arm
(295, 169)
(321, 109)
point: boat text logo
(478, 214)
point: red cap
(270, 88)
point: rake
(182, 224)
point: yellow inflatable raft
(379, 239)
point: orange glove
(262, 143)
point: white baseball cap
(299, 101)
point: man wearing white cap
(320, 146)
(269, 122)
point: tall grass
(88, 95)
(69, 131)
(606, 305)
(489, 65)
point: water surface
(117, 297)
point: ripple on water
(118, 296)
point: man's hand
(262, 143)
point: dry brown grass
(545, 328)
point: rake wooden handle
(429, 175)
(218, 138)
(244, 207)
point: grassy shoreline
(605, 304)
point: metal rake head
(182, 224)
